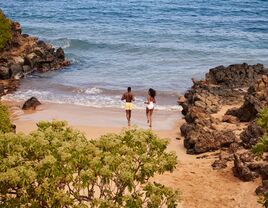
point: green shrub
(262, 146)
(5, 123)
(5, 30)
(56, 166)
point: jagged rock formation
(222, 86)
(236, 75)
(213, 123)
(255, 100)
(24, 54)
(251, 135)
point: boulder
(251, 135)
(16, 71)
(31, 104)
(263, 188)
(5, 72)
(219, 164)
(60, 53)
(242, 171)
(207, 140)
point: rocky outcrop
(243, 167)
(236, 75)
(251, 135)
(24, 54)
(222, 86)
(31, 104)
(212, 121)
(255, 100)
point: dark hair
(129, 89)
(152, 92)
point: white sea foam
(93, 91)
(90, 97)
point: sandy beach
(198, 183)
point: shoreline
(85, 116)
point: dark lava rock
(5, 73)
(31, 104)
(242, 171)
(219, 164)
(263, 188)
(251, 135)
(205, 141)
(60, 53)
(236, 75)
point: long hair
(152, 92)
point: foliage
(262, 146)
(262, 120)
(56, 166)
(264, 200)
(5, 30)
(5, 123)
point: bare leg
(150, 117)
(147, 114)
(128, 116)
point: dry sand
(200, 185)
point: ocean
(158, 44)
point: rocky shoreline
(220, 113)
(25, 54)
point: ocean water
(161, 44)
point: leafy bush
(262, 121)
(5, 30)
(5, 123)
(262, 146)
(56, 166)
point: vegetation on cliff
(56, 166)
(5, 123)
(5, 30)
(262, 146)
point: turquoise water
(139, 43)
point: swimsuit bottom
(128, 106)
(150, 106)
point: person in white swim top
(150, 103)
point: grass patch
(5, 30)
(5, 123)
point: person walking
(129, 98)
(150, 104)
